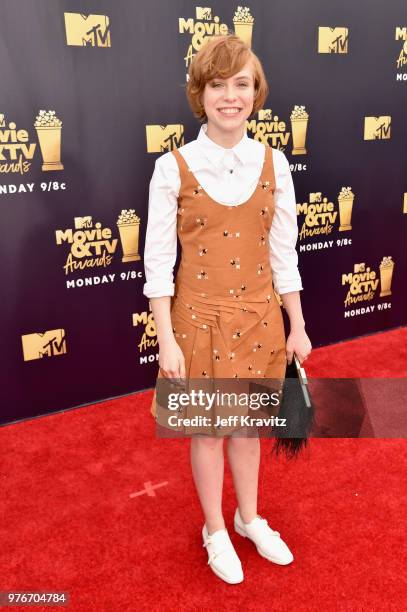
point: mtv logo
(48, 344)
(377, 128)
(360, 267)
(315, 197)
(332, 40)
(203, 13)
(265, 114)
(87, 30)
(162, 138)
(83, 222)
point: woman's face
(229, 102)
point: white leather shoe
(222, 556)
(268, 542)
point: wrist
(165, 338)
(297, 326)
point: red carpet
(380, 356)
(93, 504)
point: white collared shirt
(211, 165)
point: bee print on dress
(228, 234)
(265, 185)
(202, 275)
(235, 263)
(178, 335)
(237, 334)
(202, 250)
(257, 346)
(262, 240)
(260, 268)
(264, 211)
(237, 292)
(216, 355)
(198, 191)
(201, 221)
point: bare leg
(207, 464)
(244, 461)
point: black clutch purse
(298, 411)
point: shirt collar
(215, 153)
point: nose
(230, 93)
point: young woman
(231, 201)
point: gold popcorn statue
(129, 229)
(49, 128)
(243, 22)
(345, 199)
(299, 124)
(386, 273)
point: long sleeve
(284, 230)
(160, 250)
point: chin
(229, 123)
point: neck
(224, 139)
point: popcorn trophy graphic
(243, 22)
(345, 199)
(129, 229)
(49, 129)
(299, 123)
(386, 272)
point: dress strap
(182, 164)
(267, 173)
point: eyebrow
(237, 78)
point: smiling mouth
(229, 110)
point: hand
(171, 361)
(298, 343)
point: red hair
(222, 57)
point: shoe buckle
(272, 532)
(215, 554)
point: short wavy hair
(222, 57)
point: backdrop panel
(89, 100)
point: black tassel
(292, 439)
(290, 447)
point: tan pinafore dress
(225, 315)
